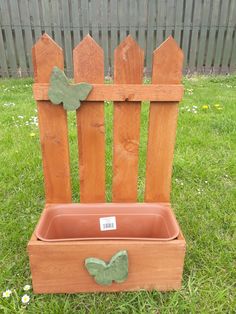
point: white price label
(107, 223)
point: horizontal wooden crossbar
(123, 92)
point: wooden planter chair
(58, 267)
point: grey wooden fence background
(205, 29)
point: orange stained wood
(166, 69)
(123, 92)
(59, 267)
(89, 67)
(128, 69)
(53, 125)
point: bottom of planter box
(59, 267)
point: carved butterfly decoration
(104, 273)
(60, 91)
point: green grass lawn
(203, 197)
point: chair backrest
(128, 69)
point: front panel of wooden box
(59, 267)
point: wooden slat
(150, 32)
(95, 17)
(114, 31)
(3, 60)
(56, 22)
(53, 125)
(67, 37)
(104, 31)
(46, 18)
(221, 34)
(122, 18)
(142, 23)
(89, 67)
(76, 20)
(229, 38)
(128, 63)
(85, 17)
(123, 92)
(25, 20)
(212, 36)
(34, 13)
(194, 39)
(178, 21)
(233, 57)
(167, 68)
(186, 30)
(161, 13)
(133, 18)
(206, 13)
(170, 17)
(19, 42)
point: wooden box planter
(123, 245)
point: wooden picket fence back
(164, 93)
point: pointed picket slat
(128, 68)
(167, 69)
(53, 125)
(89, 67)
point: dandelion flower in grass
(27, 288)
(25, 299)
(205, 107)
(6, 294)
(32, 134)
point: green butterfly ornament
(60, 91)
(104, 273)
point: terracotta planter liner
(136, 221)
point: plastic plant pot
(107, 221)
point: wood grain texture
(123, 92)
(59, 267)
(128, 68)
(53, 125)
(89, 67)
(167, 68)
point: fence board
(161, 13)
(170, 12)
(95, 17)
(104, 29)
(229, 38)
(25, 20)
(56, 22)
(89, 67)
(205, 29)
(46, 17)
(122, 18)
(85, 17)
(167, 69)
(76, 15)
(178, 21)
(212, 35)
(150, 32)
(10, 48)
(20, 49)
(35, 15)
(3, 59)
(113, 22)
(142, 23)
(186, 32)
(53, 125)
(67, 37)
(221, 33)
(194, 39)
(206, 15)
(128, 68)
